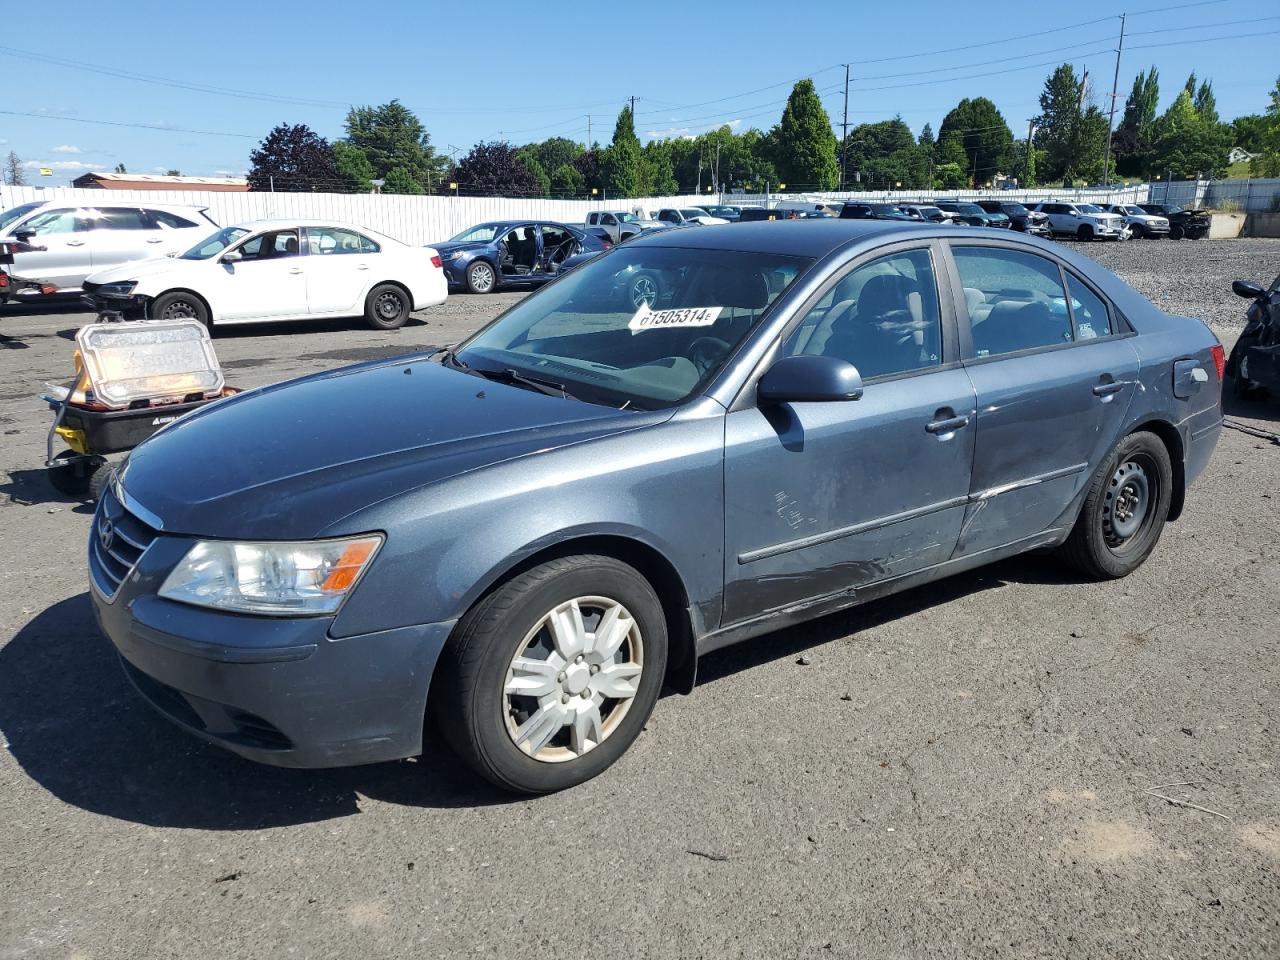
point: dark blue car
(512, 253)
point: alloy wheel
(573, 679)
(644, 291)
(482, 278)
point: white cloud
(59, 165)
(67, 148)
(689, 133)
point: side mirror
(809, 380)
(232, 256)
(24, 234)
(1247, 289)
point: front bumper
(130, 306)
(1261, 364)
(276, 690)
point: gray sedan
(516, 543)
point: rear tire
(387, 307)
(476, 700)
(1124, 511)
(180, 305)
(1176, 232)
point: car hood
(450, 247)
(290, 460)
(137, 269)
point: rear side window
(170, 221)
(1090, 313)
(325, 241)
(120, 218)
(1015, 300)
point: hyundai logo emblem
(106, 533)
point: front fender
(660, 485)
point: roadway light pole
(1026, 158)
(1111, 118)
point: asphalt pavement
(978, 768)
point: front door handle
(947, 424)
(75, 243)
(295, 269)
(1107, 389)
(362, 266)
(155, 240)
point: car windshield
(481, 234)
(929, 212)
(969, 209)
(1088, 208)
(641, 327)
(693, 212)
(215, 244)
(1014, 209)
(628, 217)
(16, 213)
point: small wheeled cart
(131, 379)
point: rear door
(120, 235)
(340, 265)
(1054, 371)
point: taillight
(608, 244)
(1219, 359)
(437, 262)
(4, 279)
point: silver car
(1084, 221)
(1140, 223)
(80, 240)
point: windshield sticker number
(647, 319)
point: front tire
(180, 305)
(1176, 232)
(1124, 511)
(72, 474)
(387, 307)
(481, 277)
(1085, 232)
(551, 677)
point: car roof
(72, 203)
(805, 238)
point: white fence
(1134, 194)
(414, 220)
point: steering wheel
(706, 352)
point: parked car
(271, 270)
(594, 494)
(1020, 218)
(725, 212)
(79, 240)
(506, 253)
(757, 214)
(680, 216)
(927, 211)
(1139, 223)
(1084, 221)
(972, 214)
(1183, 223)
(617, 225)
(858, 210)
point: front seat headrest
(745, 289)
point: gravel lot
(961, 770)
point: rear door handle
(155, 240)
(947, 425)
(362, 266)
(1107, 389)
(75, 243)
(295, 269)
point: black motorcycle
(1254, 364)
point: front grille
(116, 543)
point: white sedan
(273, 270)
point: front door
(268, 281)
(65, 260)
(821, 498)
(1054, 372)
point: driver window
(56, 221)
(883, 317)
(271, 246)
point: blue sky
(488, 71)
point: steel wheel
(573, 679)
(179, 310)
(480, 277)
(1126, 510)
(389, 306)
(644, 290)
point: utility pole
(632, 101)
(844, 128)
(588, 131)
(1026, 158)
(1111, 118)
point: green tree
(1248, 131)
(293, 158)
(620, 165)
(14, 175)
(566, 181)
(1071, 131)
(401, 180)
(950, 176)
(986, 138)
(495, 169)
(392, 136)
(557, 151)
(1267, 162)
(1205, 103)
(1132, 142)
(658, 157)
(1187, 144)
(528, 156)
(882, 155)
(806, 145)
(120, 168)
(353, 167)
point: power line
(122, 123)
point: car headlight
(122, 289)
(306, 578)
